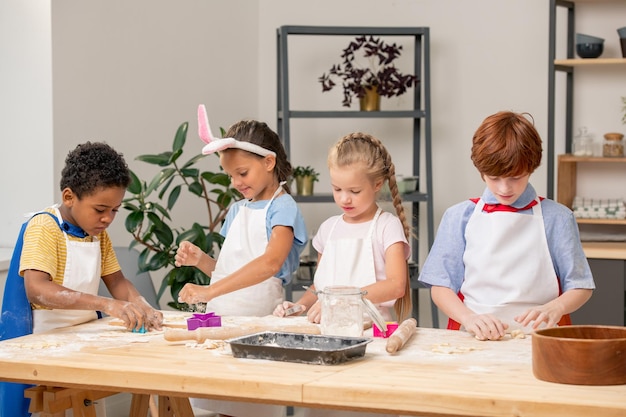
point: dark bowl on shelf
(589, 50)
(582, 38)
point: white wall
(25, 112)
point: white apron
(83, 270)
(247, 240)
(82, 273)
(349, 261)
(508, 267)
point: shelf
(354, 114)
(605, 250)
(589, 62)
(418, 113)
(601, 159)
(602, 221)
(567, 171)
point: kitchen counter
(440, 372)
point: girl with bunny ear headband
(264, 235)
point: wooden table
(440, 373)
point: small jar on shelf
(583, 143)
(613, 145)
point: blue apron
(16, 320)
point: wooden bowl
(580, 355)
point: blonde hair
(369, 152)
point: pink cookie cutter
(203, 320)
(391, 327)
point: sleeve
(110, 264)
(321, 237)
(285, 212)
(393, 232)
(444, 265)
(41, 246)
(232, 212)
(568, 257)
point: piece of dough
(518, 334)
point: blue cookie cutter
(142, 329)
(203, 320)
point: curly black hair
(91, 166)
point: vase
(371, 100)
(304, 185)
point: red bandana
(490, 208)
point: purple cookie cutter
(203, 320)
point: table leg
(139, 405)
(174, 407)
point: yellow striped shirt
(45, 249)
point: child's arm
(551, 312)
(258, 270)
(483, 326)
(393, 287)
(41, 290)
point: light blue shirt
(283, 211)
(444, 265)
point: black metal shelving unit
(420, 115)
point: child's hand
(153, 318)
(281, 309)
(188, 254)
(315, 313)
(549, 314)
(193, 294)
(485, 326)
(133, 315)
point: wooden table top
(439, 372)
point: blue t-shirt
(444, 265)
(283, 211)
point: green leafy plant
(379, 71)
(151, 203)
(306, 171)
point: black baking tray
(302, 348)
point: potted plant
(150, 223)
(305, 177)
(378, 75)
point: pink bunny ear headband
(215, 145)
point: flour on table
(36, 345)
(449, 349)
(207, 344)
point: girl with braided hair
(364, 246)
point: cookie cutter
(203, 320)
(391, 327)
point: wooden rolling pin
(222, 333)
(403, 334)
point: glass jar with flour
(342, 311)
